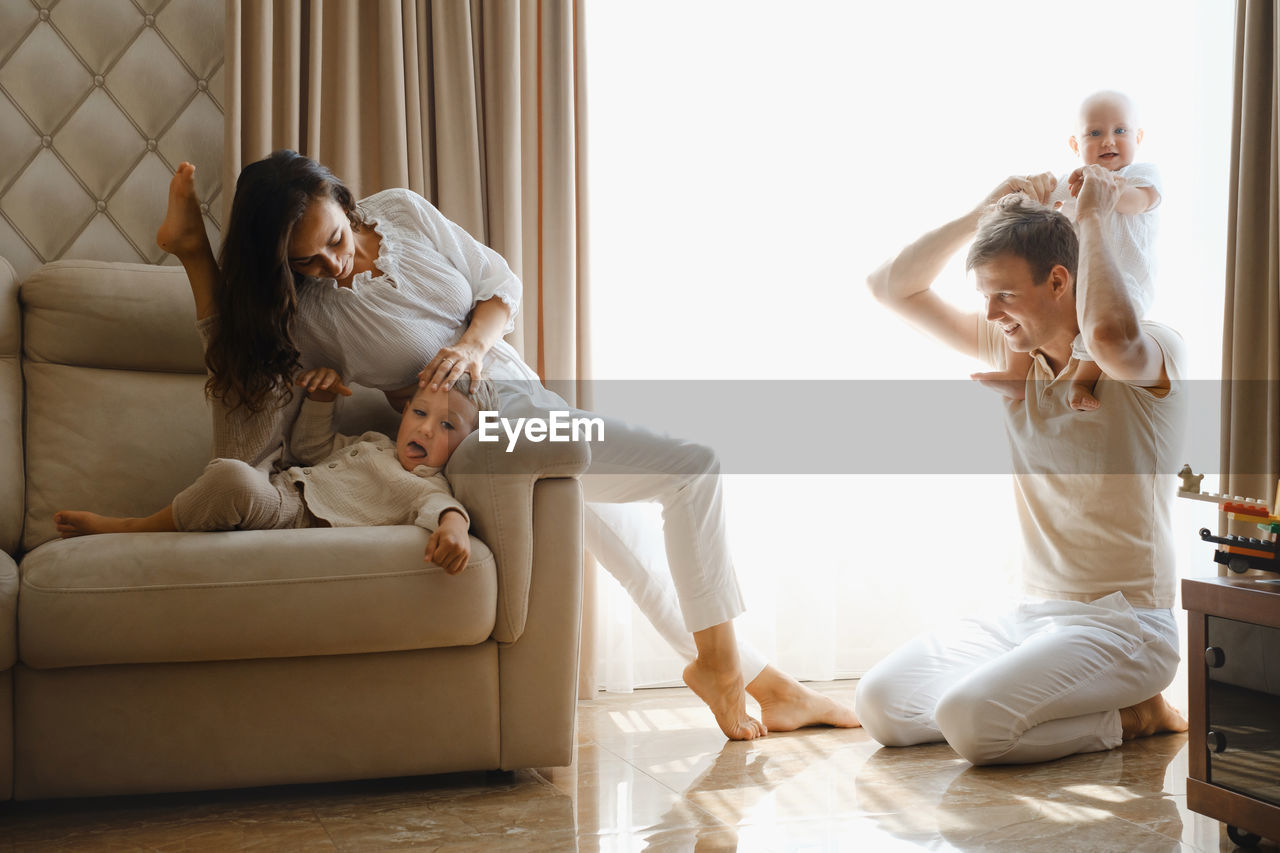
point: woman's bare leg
(182, 235)
(78, 523)
(716, 677)
(787, 705)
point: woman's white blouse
(384, 329)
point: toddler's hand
(1099, 191)
(450, 547)
(323, 384)
(1075, 181)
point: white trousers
(695, 586)
(1040, 683)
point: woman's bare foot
(1151, 717)
(787, 705)
(182, 232)
(722, 689)
(78, 523)
(1012, 387)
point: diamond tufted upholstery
(99, 102)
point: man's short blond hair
(1016, 225)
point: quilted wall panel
(100, 100)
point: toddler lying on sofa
(342, 481)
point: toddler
(1108, 136)
(342, 481)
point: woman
(308, 277)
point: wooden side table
(1233, 661)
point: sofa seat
(136, 598)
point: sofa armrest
(497, 488)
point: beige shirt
(357, 481)
(1094, 490)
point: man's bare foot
(1012, 387)
(1151, 717)
(78, 523)
(182, 232)
(1082, 399)
(787, 705)
(726, 696)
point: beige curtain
(1251, 333)
(476, 104)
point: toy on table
(1239, 553)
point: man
(1079, 665)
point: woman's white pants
(1040, 683)
(695, 587)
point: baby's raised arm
(1134, 197)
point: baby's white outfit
(1132, 237)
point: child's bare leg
(78, 523)
(786, 704)
(182, 234)
(1082, 385)
(1010, 382)
(716, 676)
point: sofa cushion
(116, 420)
(181, 597)
(11, 477)
(8, 613)
(115, 442)
(110, 315)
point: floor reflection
(653, 773)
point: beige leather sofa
(161, 662)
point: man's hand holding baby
(450, 546)
(323, 384)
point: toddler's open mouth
(415, 451)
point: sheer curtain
(753, 161)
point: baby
(1108, 136)
(342, 481)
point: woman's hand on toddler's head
(323, 384)
(450, 363)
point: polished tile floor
(653, 773)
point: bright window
(751, 162)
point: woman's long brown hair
(251, 355)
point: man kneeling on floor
(1079, 665)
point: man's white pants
(1042, 682)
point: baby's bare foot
(1151, 717)
(787, 705)
(1082, 399)
(1014, 388)
(726, 696)
(182, 232)
(78, 523)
